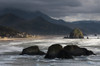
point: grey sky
(69, 10)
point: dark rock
(90, 53)
(87, 37)
(76, 33)
(64, 55)
(95, 34)
(53, 51)
(56, 51)
(33, 50)
(87, 52)
(74, 50)
(66, 37)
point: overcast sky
(69, 10)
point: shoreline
(38, 38)
(13, 39)
(29, 38)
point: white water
(10, 50)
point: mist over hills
(41, 24)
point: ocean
(10, 50)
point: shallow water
(10, 50)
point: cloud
(80, 16)
(69, 10)
(51, 7)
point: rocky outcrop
(64, 55)
(33, 50)
(56, 51)
(74, 50)
(76, 33)
(53, 51)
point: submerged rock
(33, 50)
(74, 50)
(53, 51)
(76, 33)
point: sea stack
(76, 33)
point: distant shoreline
(13, 39)
(40, 37)
(29, 38)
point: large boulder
(56, 51)
(74, 50)
(76, 33)
(53, 51)
(33, 50)
(64, 55)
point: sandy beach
(30, 38)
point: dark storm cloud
(51, 7)
(66, 9)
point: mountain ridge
(37, 25)
(25, 17)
